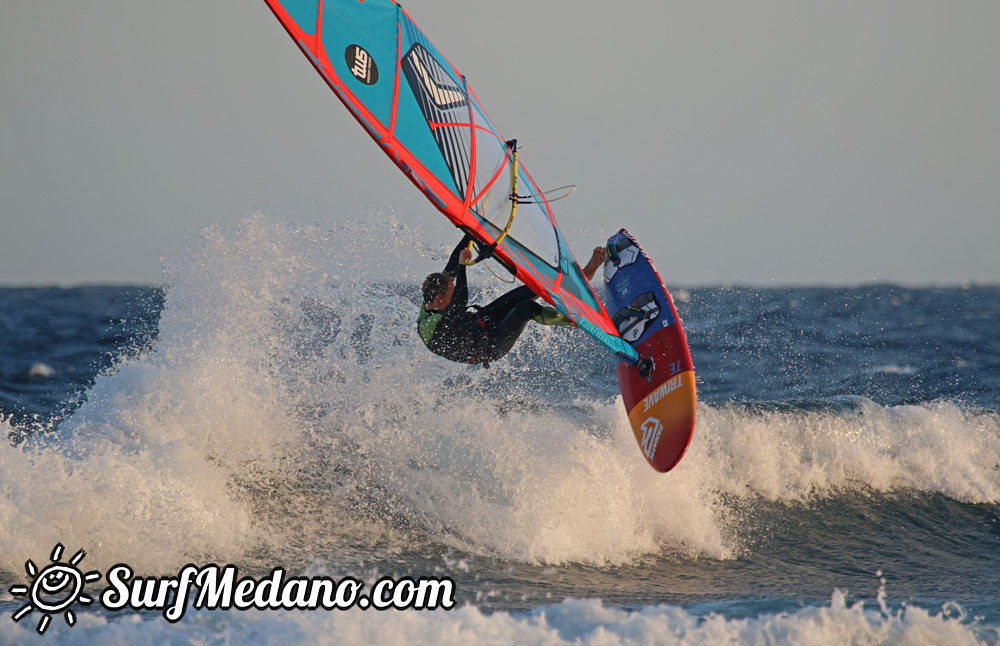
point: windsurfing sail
(420, 110)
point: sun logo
(55, 588)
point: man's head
(437, 290)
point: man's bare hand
(596, 260)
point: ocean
(270, 405)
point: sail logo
(445, 108)
(361, 64)
(427, 76)
(443, 95)
(652, 428)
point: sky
(768, 142)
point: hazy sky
(742, 142)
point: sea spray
(287, 405)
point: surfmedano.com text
(222, 588)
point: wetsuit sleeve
(453, 265)
(460, 297)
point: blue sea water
(269, 406)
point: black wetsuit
(475, 336)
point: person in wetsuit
(449, 329)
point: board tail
(659, 394)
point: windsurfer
(449, 329)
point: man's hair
(435, 285)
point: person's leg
(498, 309)
(507, 331)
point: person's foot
(552, 316)
(596, 260)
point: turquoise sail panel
(304, 13)
(364, 57)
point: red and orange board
(659, 392)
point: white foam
(789, 456)
(288, 405)
(40, 370)
(573, 621)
